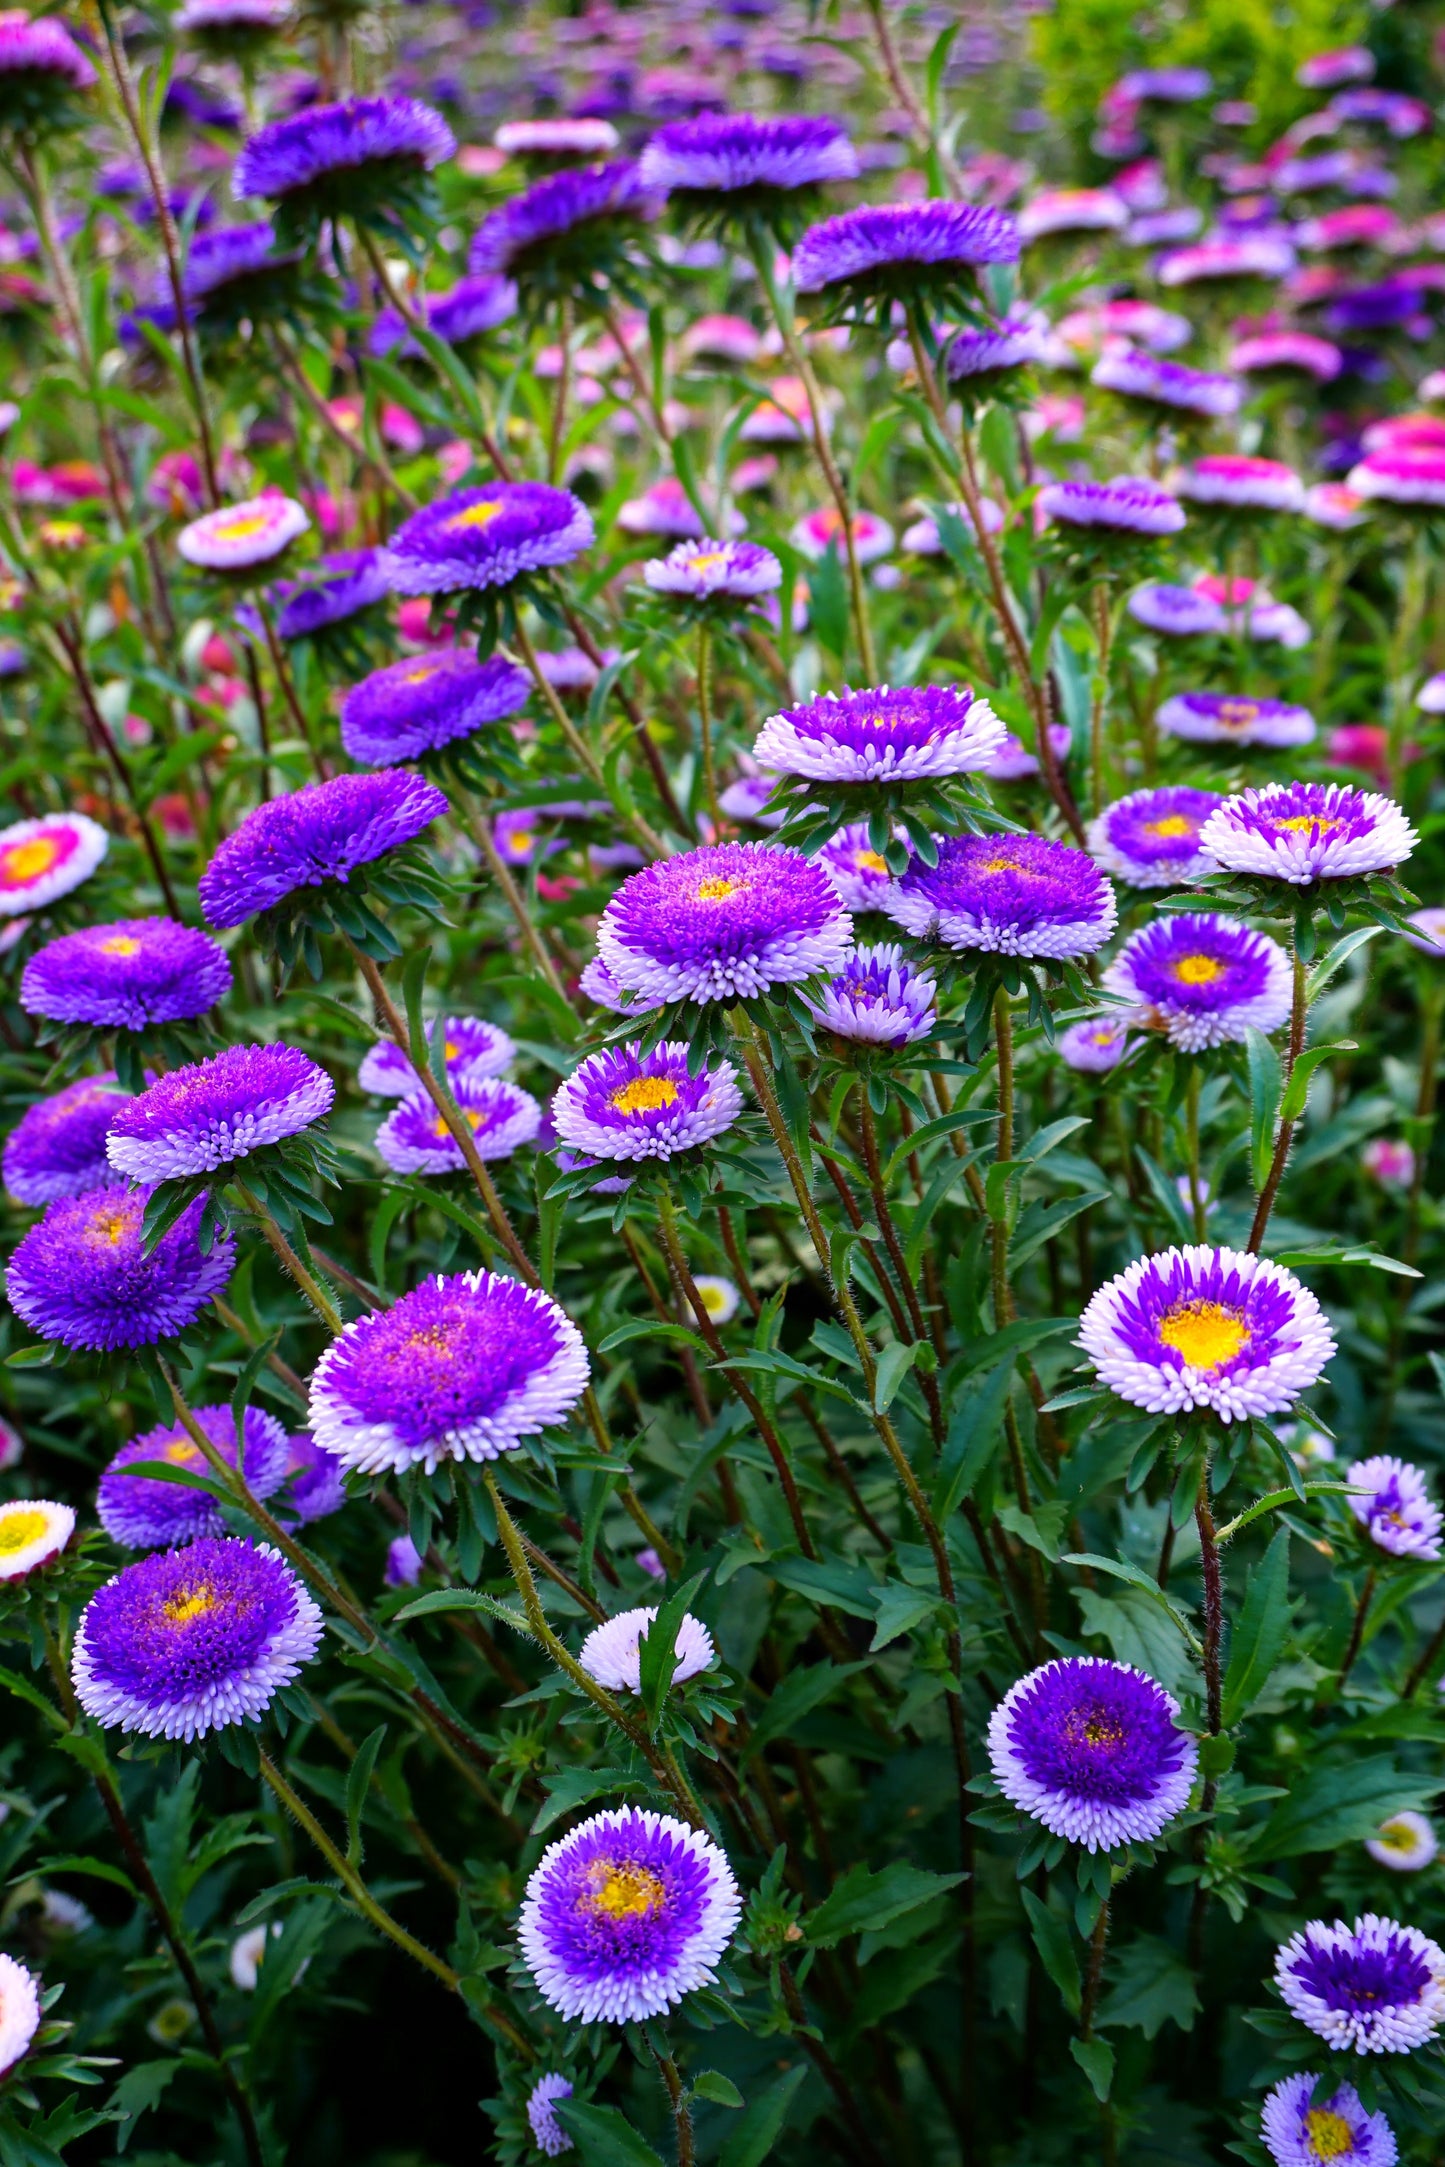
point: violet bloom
(315, 1483)
(325, 156)
(469, 309)
(42, 70)
(126, 976)
(1097, 1045)
(1014, 762)
(623, 1103)
(226, 258)
(470, 1048)
(746, 161)
(611, 1654)
(1237, 484)
(1302, 832)
(1412, 475)
(982, 357)
(210, 1113)
(878, 998)
(903, 734)
(881, 249)
(1015, 895)
(1072, 210)
(1228, 718)
(416, 706)
(1091, 1750)
(555, 225)
(559, 135)
(403, 1563)
(1202, 979)
(1298, 352)
(547, 2132)
(1396, 1511)
(338, 586)
(1372, 1988)
(1338, 2132)
(723, 924)
(141, 1512)
(20, 2012)
(861, 874)
(706, 571)
(1121, 506)
(1171, 384)
(415, 1139)
(1249, 255)
(487, 537)
(80, 1275)
(315, 835)
(1150, 839)
(238, 537)
(1178, 612)
(57, 1148)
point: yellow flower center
(432, 1340)
(714, 1300)
(1169, 827)
(24, 862)
(188, 1603)
(474, 1116)
(715, 889)
(706, 559)
(1104, 1036)
(120, 944)
(644, 1095)
(1206, 1333)
(19, 1529)
(1238, 714)
(520, 839)
(1002, 865)
(421, 672)
(1330, 2135)
(476, 515)
(623, 1891)
(180, 1452)
(450, 1049)
(870, 861)
(1198, 970)
(1304, 823)
(242, 527)
(110, 1224)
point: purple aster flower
(1203, 1327)
(1246, 255)
(1300, 832)
(1123, 506)
(1017, 895)
(321, 151)
(473, 306)
(470, 1048)
(547, 2132)
(560, 215)
(878, 998)
(124, 976)
(1096, 1046)
(704, 570)
(1375, 1987)
(220, 258)
(414, 1139)
(723, 924)
(1138, 375)
(1390, 1160)
(1091, 1750)
(417, 705)
(141, 1512)
(57, 1148)
(860, 873)
(819, 534)
(626, 1915)
(41, 860)
(462, 1368)
(403, 1563)
(1406, 1843)
(1343, 64)
(1150, 839)
(41, 47)
(33, 1530)
(317, 834)
(19, 2012)
(1397, 1513)
(209, 1113)
(1013, 762)
(747, 156)
(1228, 718)
(1298, 351)
(240, 536)
(315, 1483)
(1381, 307)
(611, 1652)
(487, 537)
(1160, 229)
(1336, 2133)
(559, 135)
(1072, 210)
(338, 586)
(974, 356)
(880, 247)
(900, 735)
(189, 1641)
(1240, 484)
(599, 985)
(749, 799)
(623, 1103)
(1429, 933)
(1414, 474)
(79, 1275)
(1177, 611)
(1203, 979)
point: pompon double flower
(1232, 482)
(142, 1512)
(898, 735)
(1230, 718)
(860, 873)
(1203, 979)
(1372, 1988)
(1150, 839)
(240, 536)
(878, 998)
(487, 537)
(1336, 2132)
(705, 571)
(553, 230)
(80, 1276)
(1122, 506)
(416, 706)
(190, 1641)
(126, 976)
(623, 1103)
(626, 1915)
(462, 1368)
(339, 585)
(1207, 1328)
(723, 924)
(1301, 832)
(1017, 895)
(57, 1148)
(19, 2012)
(414, 1139)
(42, 860)
(1134, 374)
(1091, 1750)
(321, 833)
(33, 1530)
(738, 161)
(611, 1653)
(470, 1048)
(319, 156)
(902, 248)
(206, 1115)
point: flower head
(314, 1482)
(553, 224)
(1091, 1749)
(860, 873)
(40, 45)
(746, 158)
(882, 248)
(19, 2012)
(1429, 929)
(1138, 375)
(462, 1368)
(1150, 839)
(1406, 1843)
(57, 1148)
(321, 152)
(414, 1139)
(1176, 611)
(225, 257)
(1239, 484)
(487, 537)
(470, 1048)
(1372, 1988)
(611, 1652)
(1391, 1161)
(878, 998)
(124, 976)
(626, 1915)
(1301, 832)
(896, 735)
(1203, 979)
(32, 1532)
(80, 1275)
(471, 307)
(1335, 2133)
(1410, 475)
(190, 1641)
(41, 860)
(1018, 895)
(704, 570)
(547, 2132)
(1096, 1045)
(1124, 506)
(209, 1113)
(720, 1297)
(338, 586)
(1229, 718)
(981, 357)
(1298, 351)
(403, 1563)
(723, 924)
(142, 1512)
(558, 135)
(1244, 255)
(623, 1103)
(1396, 1511)
(321, 833)
(416, 706)
(1204, 1327)
(239, 536)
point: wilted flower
(41, 860)
(33, 1530)
(897, 735)
(611, 1652)
(1091, 1749)
(80, 1276)
(723, 924)
(210, 1113)
(1372, 1988)
(878, 998)
(1336, 2133)
(416, 706)
(1229, 718)
(318, 834)
(1150, 839)
(1406, 1843)
(241, 536)
(1203, 979)
(142, 1512)
(501, 1116)
(487, 537)
(1302, 832)
(1018, 895)
(1396, 1511)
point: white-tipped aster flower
(1097, 1045)
(1396, 1511)
(1336, 2132)
(860, 873)
(414, 1139)
(1406, 1843)
(19, 2012)
(1150, 839)
(209, 1113)
(885, 736)
(611, 1652)
(547, 2132)
(1090, 1749)
(626, 1915)
(1204, 1327)
(1017, 895)
(470, 1047)
(1203, 979)
(623, 1103)
(1227, 718)
(879, 998)
(715, 571)
(1301, 832)
(240, 536)
(32, 1532)
(723, 924)
(487, 537)
(143, 1512)
(1372, 1988)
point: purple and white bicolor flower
(142, 1512)
(747, 154)
(409, 708)
(625, 1915)
(1204, 1327)
(209, 1113)
(1134, 374)
(547, 2132)
(321, 833)
(705, 570)
(1229, 718)
(414, 1139)
(470, 1048)
(125, 976)
(878, 998)
(860, 873)
(1016, 895)
(487, 537)
(1372, 1988)
(1302, 832)
(623, 1103)
(57, 1148)
(1396, 1511)
(1179, 612)
(1092, 1751)
(872, 247)
(1244, 255)
(324, 144)
(516, 237)
(1150, 839)
(901, 734)
(1097, 1045)
(611, 1653)
(1239, 484)
(80, 1275)
(1406, 1843)
(462, 1368)
(1336, 2132)
(723, 923)
(240, 536)
(189, 1641)
(19, 1988)
(1122, 506)
(1202, 979)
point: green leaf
(1338, 1805)
(894, 1363)
(828, 601)
(1152, 1986)
(1137, 1578)
(1096, 2058)
(464, 1599)
(863, 1901)
(1056, 1950)
(1258, 1639)
(358, 1783)
(610, 2139)
(1292, 1105)
(1264, 1093)
(713, 2085)
(1138, 1632)
(1040, 1222)
(973, 1433)
(753, 2138)
(139, 2091)
(900, 1608)
(657, 1649)
(1339, 955)
(800, 1692)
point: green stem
(1299, 1014)
(515, 901)
(678, 2102)
(558, 427)
(287, 682)
(704, 717)
(1357, 1630)
(644, 834)
(1198, 1203)
(1103, 636)
(307, 1281)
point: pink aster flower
(239, 536)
